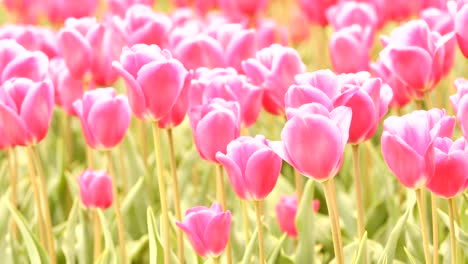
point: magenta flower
(26, 109)
(58, 10)
(33, 38)
(350, 49)
(408, 144)
(286, 211)
(202, 7)
(460, 104)
(308, 128)
(207, 229)
(26, 11)
(451, 168)
(315, 10)
(461, 28)
(119, 7)
(154, 80)
(252, 167)
(240, 8)
(274, 69)
(214, 125)
(269, 32)
(199, 50)
(348, 13)
(104, 117)
(95, 189)
(178, 111)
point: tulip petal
(217, 233)
(450, 175)
(13, 127)
(76, 51)
(234, 175)
(262, 172)
(194, 239)
(32, 66)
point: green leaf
(155, 247)
(305, 226)
(36, 252)
(246, 259)
(411, 258)
(460, 234)
(359, 256)
(389, 251)
(108, 242)
(68, 246)
(276, 250)
(132, 194)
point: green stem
(245, 216)
(13, 176)
(423, 222)
(46, 212)
(334, 220)
(298, 182)
(453, 241)
(435, 230)
(97, 234)
(261, 251)
(162, 192)
(221, 197)
(118, 212)
(67, 139)
(359, 202)
(123, 171)
(175, 189)
(89, 157)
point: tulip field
(234, 131)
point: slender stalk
(97, 234)
(216, 260)
(162, 192)
(118, 212)
(358, 191)
(435, 230)
(46, 209)
(67, 138)
(258, 211)
(89, 157)
(175, 189)
(122, 169)
(245, 216)
(428, 100)
(453, 242)
(299, 188)
(37, 198)
(337, 215)
(423, 221)
(334, 219)
(13, 176)
(221, 197)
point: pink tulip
(89, 47)
(142, 26)
(252, 167)
(26, 109)
(178, 111)
(461, 28)
(58, 10)
(202, 7)
(95, 189)
(214, 125)
(416, 55)
(239, 8)
(286, 211)
(307, 129)
(315, 10)
(154, 80)
(104, 117)
(451, 168)
(26, 11)
(228, 85)
(460, 104)
(274, 69)
(348, 13)
(17, 62)
(298, 26)
(67, 89)
(268, 32)
(408, 144)
(350, 49)
(119, 7)
(207, 229)
(32, 38)
(199, 51)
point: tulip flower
(451, 167)
(89, 47)
(200, 50)
(252, 167)
(177, 114)
(274, 69)
(26, 109)
(298, 26)
(460, 103)
(202, 7)
(214, 125)
(416, 55)
(104, 117)
(207, 229)
(154, 80)
(307, 128)
(67, 88)
(349, 13)
(95, 189)
(33, 38)
(408, 144)
(142, 26)
(315, 10)
(16, 62)
(286, 211)
(269, 32)
(461, 28)
(58, 10)
(350, 48)
(119, 7)
(239, 8)
(26, 11)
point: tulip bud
(350, 13)
(252, 167)
(104, 117)
(286, 211)
(95, 189)
(207, 229)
